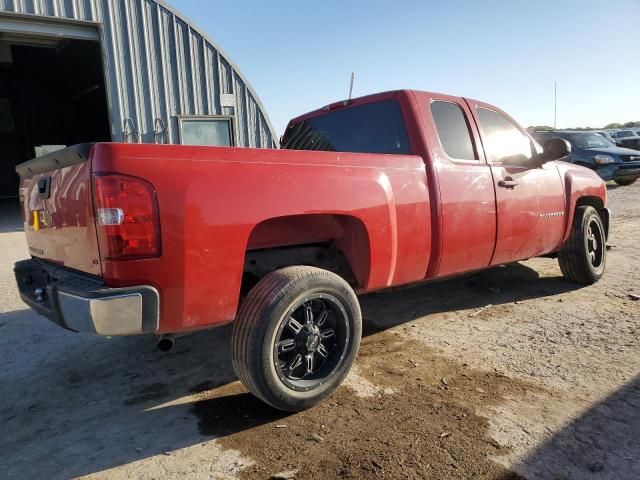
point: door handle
(508, 182)
(44, 188)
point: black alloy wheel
(312, 341)
(296, 336)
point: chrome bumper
(82, 303)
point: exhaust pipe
(166, 343)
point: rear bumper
(82, 303)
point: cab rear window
(370, 128)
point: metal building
(74, 71)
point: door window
(501, 138)
(453, 130)
(212, 131)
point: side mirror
(555, 149)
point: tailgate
(57, 207)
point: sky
(298, 55)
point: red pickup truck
(365, 194)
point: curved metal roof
(159, 66)
(225, 56)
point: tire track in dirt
(428, 428)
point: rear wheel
(296, 337)
(624, 182)
(583, 258)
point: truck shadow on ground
(602, 443)
(75, 404)
(498, 286)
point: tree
(540, 128)
(611, 126)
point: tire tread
(572, 257)
(253, 318)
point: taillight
(127, 217)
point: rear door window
(376, 127)
(453, 130)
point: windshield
(370, 128)
(589, 140)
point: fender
(582, 187)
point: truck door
(467, 199)
(530, 201)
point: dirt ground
(508, 373)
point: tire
(584, 256)
(291, 314)
(624, 183)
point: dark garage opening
(52, 93)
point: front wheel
(584, 256)
(624, 182)
(296, 337)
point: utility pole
(353, 78)
(555, 105)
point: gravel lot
(506, 373)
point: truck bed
(217, 203)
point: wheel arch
(591, 201)
(598, 204)
(582, 188)
(335, 242)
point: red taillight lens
(127, 217)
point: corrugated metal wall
(159, 66)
